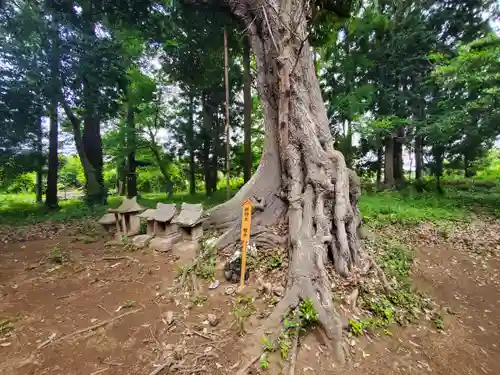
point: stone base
(187, 249)
(141, 240)
(164, 243)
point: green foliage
(264, 361)
(56, 255)
(22, 183)
(267, 344)
(356, 327)
(275, 261)
(243, 308)
(307, 314)
(70, 174)
(438, 321)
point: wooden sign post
(246, 221)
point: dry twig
(91, 328)
(162, 367)
(243, 370)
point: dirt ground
(42, 302)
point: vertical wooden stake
(243, 263)
(246, 222)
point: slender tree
(247, 102)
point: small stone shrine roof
(190, 215)
(164, 212)
(128, 206)
(148, 214)
(107, 219)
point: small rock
(208, 349)
(482, 329)
(278, 291)
(169, 348)
(169, 316)
(212, 319)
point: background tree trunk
(51, 199)
(398, 157)
(39, 162)
(131, 145)
(227, 129)
(380, 161)
(247, 100)
(419, 161)
(389, 163)
(438, 152)
(207, 125)
(215, 153)
(190, 141)
(91, 138)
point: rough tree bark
(301, 178)
(247, 103)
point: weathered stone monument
(127, 222)
(166, 233)
(190, 221)
(108, 221)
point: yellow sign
(246, 222)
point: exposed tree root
(293, 354)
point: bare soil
(95, 283)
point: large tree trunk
(247, 104)
(300, 173)
(53, 163)
(131, 146)
(389, 163)
(92, 147)
(92, 183)
(92, 142)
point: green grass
(21, 209)
(408, 207)
(405, 207)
